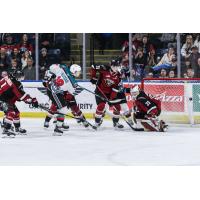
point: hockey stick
(122, 116)
(47, 109)
(106, 100)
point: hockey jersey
(63, 80)
(11, 90)
(147, 105)
(108, 82)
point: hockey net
(180, 98)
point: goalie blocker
(146, 111)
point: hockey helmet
(18, 75)
(75, 70)
(115, 65)
(135, 90)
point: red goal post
(180, 98)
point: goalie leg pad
(149, 125)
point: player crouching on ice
(61, 89)
(146, 111)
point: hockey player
(146, 111)
(11, 90)
(61, 88)
(107, 86)
(4, 106)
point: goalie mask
(75, 70)
(135, 91)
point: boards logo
(166, 98)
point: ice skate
(20, 131)
(118, 125)
(85, 124)
(8, 133)
(97, 125)
(57, 131)
(46, 124)
(65, 126)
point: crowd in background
(157, 58)
(153, 55)
(17, 52)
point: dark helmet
(114, 63)
(17, 74)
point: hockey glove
(93, 81)
(34, 102)
(3, 106)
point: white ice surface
(107, 146)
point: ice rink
(107, 146)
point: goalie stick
(106, 100)
(47, 109)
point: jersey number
(148, 103)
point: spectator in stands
(125, 60)
(43, 62)
(13, 67)
(171, 74)
(133, 75)
(149, 75)
(136, 42)
(140, 62)
(167, 57)
(197, 42)
(4, 74)
(25, 57)
(4, 60)
(8, 43)
(139, 57)
(193, 58)
(16, 55)
(186, 48)
(187, 64)
(163, 73)
(151, 59)
(189, 73)
(168, 39)
(198, 68)
(146, 45)
(25, 45)
(29, 70)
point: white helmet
(135, 91)
(75, 70)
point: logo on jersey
(109, 82)
(59, 81)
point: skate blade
(21, 133)
(57, 134)
(8, 136)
